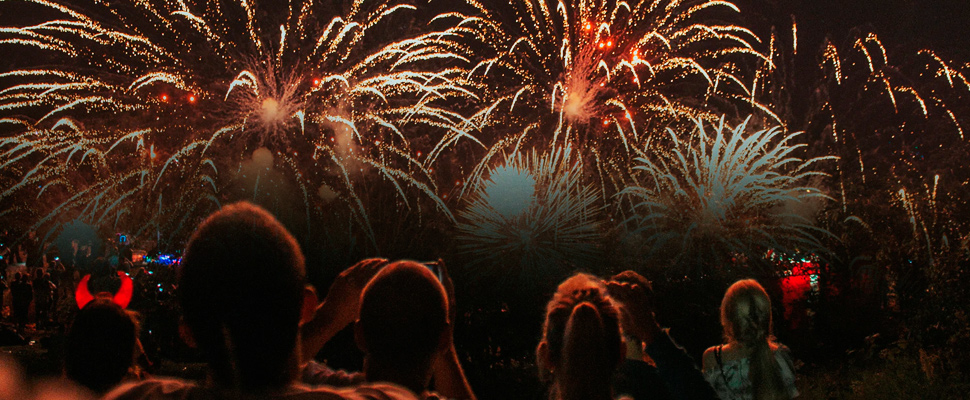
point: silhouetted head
(100, 345)
(746, 313)
(241, 289)
(403, 318)
(581, 345)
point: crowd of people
(600, 338)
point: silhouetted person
(751, 365)
(22, 294)
(581, 345)
(3, 289)
(35, 253)
(100, 346)
(243, 294)
(43, 297)
(405, 330)
(671, 374)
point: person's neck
(414, 378)
(600, 392)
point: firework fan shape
(877, 110)
(141, 108)
(892, 117)
(532, 215)
(724, 192)
(608, 72)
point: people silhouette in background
(751, 365)
(22, 294)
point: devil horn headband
(83, 295)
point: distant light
(191, 98)
(164, 97)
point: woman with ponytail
(751, 365)
(581, 345)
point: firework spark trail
(533, 213)
(148, 100)
(722, 192)
(608, 69)
(893, 118)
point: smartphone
(434, 267)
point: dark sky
(939, 24)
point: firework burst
(531, 215)
(893, 117)
(723, 194)
(610, 72)
(142, 108)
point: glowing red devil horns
(83, 295)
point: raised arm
(675, 367)
(449, 377)
(339, 308)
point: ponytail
(581, 340)
(584, 362)
(765, 373)
(753, 330)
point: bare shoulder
(709, 360)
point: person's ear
(622, 350)
(542, 357)
(310, 304)
(186, 334)
(444, 339)
(359, 337)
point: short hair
(403, 313)
(241, 290)
(634, 278)
(100, 346)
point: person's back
(751, 365)
(243, 296)
(728, 370)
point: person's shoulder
(709, 358)
(371, 391)
(155, 388)
(782, 352)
